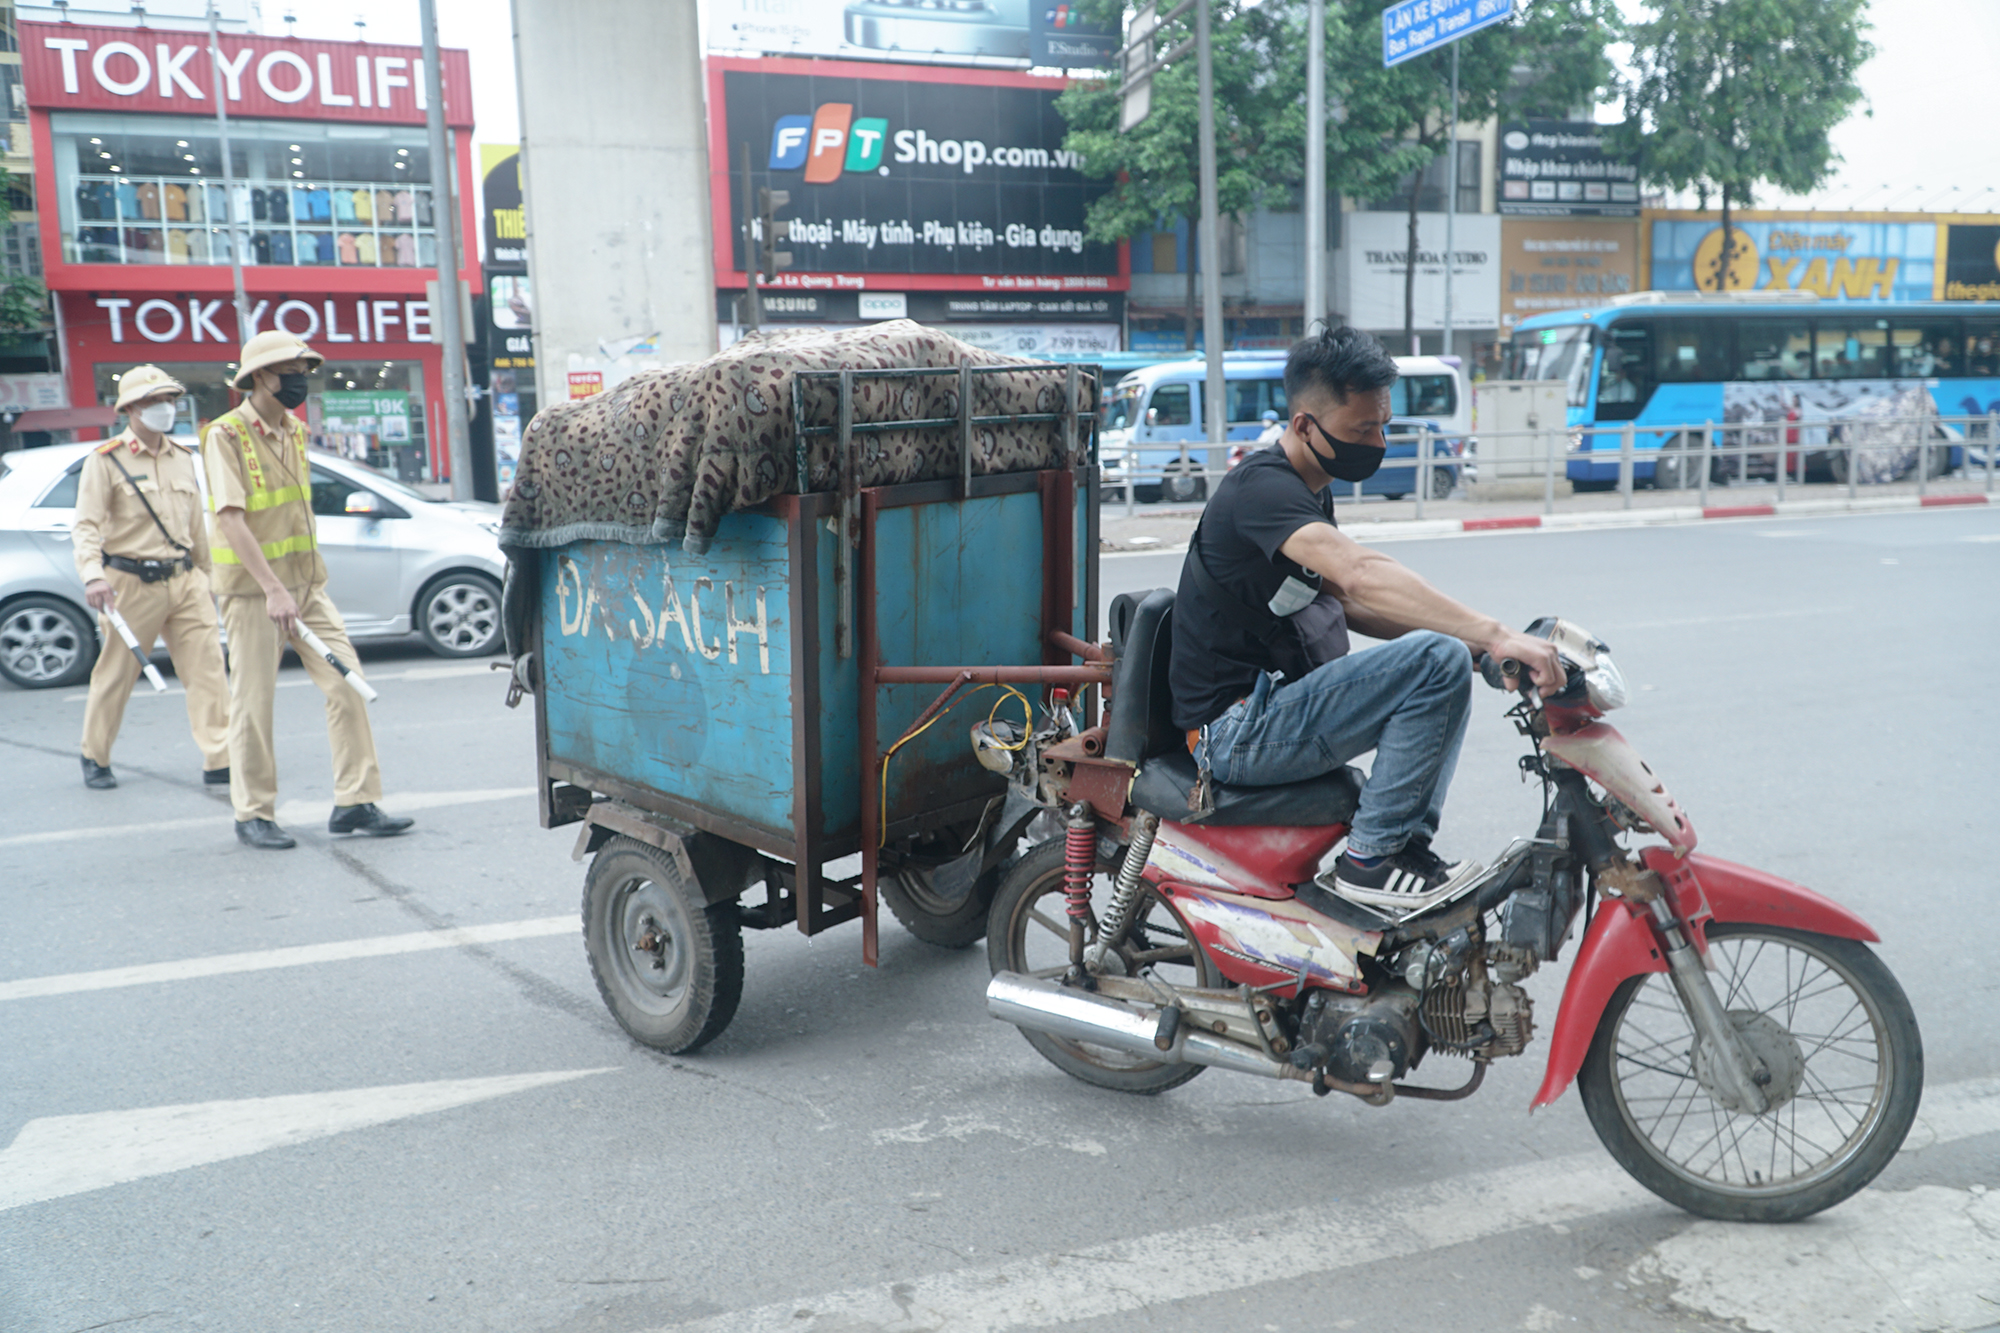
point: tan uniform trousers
(254, 650)
(180, 611)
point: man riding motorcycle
(1261, 675)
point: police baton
(132, 642)
(318, 645)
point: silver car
(397, 563)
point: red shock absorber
(1079, 866)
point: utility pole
(753, 302)
(1315, 210)
(1451, 198)
(444, 170)
(236, 238)
(1210, 248)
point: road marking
(1124, 1276)
(291, 812)
(56, 1156)
(1922, 1258)
(298, 955)
(1983, 537)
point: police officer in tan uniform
(270, 577)
(142, 550)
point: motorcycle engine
(1361, 1039)
(1473, 1015)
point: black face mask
(291, 390)
(1349, 461)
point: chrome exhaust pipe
(1062, 1011)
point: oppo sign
(69, 66)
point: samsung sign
(892, 172)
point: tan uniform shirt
(111, 520)
(265, 473)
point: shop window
(144, 190)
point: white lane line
(56, 1156)
(1101, 1280)
(291, 812)
(298, 955)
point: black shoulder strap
(1256, 621)
(113, 456)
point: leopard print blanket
(662, 456)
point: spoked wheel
(1830, 1025)
(669, 966)
(1029, 933)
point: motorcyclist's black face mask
(1349, 461)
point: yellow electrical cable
(882, 807)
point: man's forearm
(1384, 599)
(235, 531)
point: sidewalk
(1167, 527)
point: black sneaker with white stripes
(1401, 883)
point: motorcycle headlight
(1576, 440)
(1606, 684)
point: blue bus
(1668, 361)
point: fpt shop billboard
(932, 178)
(1853, 259)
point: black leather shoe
(367, 819)
(262, 833)
(97, 775)
(215, 777)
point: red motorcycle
(1740, 1051)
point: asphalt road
(309, 1107)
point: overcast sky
(1930, 130)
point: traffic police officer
(142, 550)
(271, 580)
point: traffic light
(774, 231)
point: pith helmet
(142, 382)
(268, 349)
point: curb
(1629, 518)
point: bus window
(1249, 399)
(1554, 354)
(1172, 405)
(1424, 396)
(1927, 349)
(1854, 348)
(1625, 381)
(1982, 346)
(1692, 351)
(1774, 349)
(1121, 405)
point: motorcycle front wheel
(1028, 932)
(1836, 1034)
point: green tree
(1155, 170)
(1392, 123)
(24, 304)
(1726, 95)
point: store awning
(64, 418)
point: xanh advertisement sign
(73, 67)
(1564, 168)
(1564, 264)
(1856, 258)
(956, 175)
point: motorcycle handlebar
(1503, 674)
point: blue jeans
(1407, 700)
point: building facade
(332, 209)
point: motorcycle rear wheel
(1835, 1030)
(1028, 932)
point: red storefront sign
(71, 67)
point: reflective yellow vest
(277, 502)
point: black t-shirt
(1255, 511)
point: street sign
(1417, 27)
(1136, 95)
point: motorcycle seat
(1164, 781)
(1140, 731)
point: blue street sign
(1419, 26)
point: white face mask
(158, 417)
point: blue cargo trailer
(756, 712)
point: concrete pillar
(614, 166)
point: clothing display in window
(364, 248)
(281, 247)
(423, 208)
(406, 250)
(405, 206)
(177, 246)
(260, 247)
(281, 204)
(321, 209)
(197, 203)
(349, 253)
(174, 203)
(343, 205)
(385, 206)
(260, 206)
(364, 205)
(149, 200)
(97, 199)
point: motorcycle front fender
(1620, 942)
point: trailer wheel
(669, 966)
(934, 918)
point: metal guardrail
(1703, 453)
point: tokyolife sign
(1418, 27)
(70, 67)
(202, 319)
